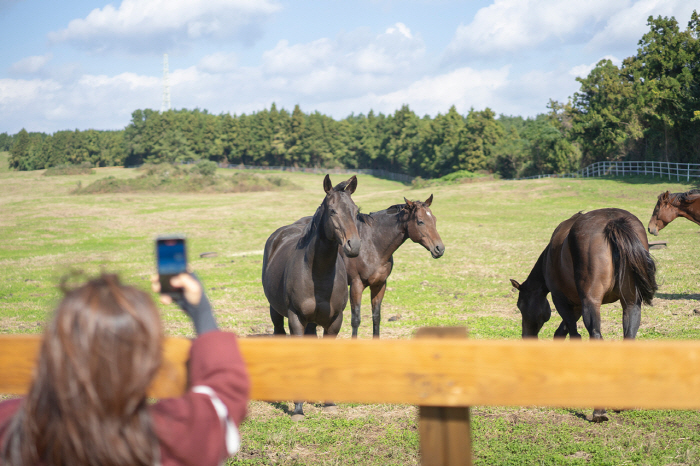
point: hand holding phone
(171, 260)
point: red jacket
(188, 428)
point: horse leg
(631, 317)
(568, 315)
(356, 289)
(562, 331)
(377, 297)
(296, 327)
(332, 332)
(590, 309)
(278, 322)
(310, 329)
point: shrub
(205, 168)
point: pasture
(492, 231)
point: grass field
(492, 230)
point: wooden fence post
(445, 432)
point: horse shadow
(281, 406)
(678, 296)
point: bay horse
(671, 206)
(594, 258)
(382, 233)
(303, 273)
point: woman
(87, 404)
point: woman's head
(87, 403)
(103, 345)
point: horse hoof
(332, 409)
(599, 417)
(297, 417)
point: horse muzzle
(438, 251)
(351, 248)
(653, 229)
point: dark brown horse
(594, 258)
(671, 206)
(303, 273)
(382, 233)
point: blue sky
(86, 64)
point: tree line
(648, 108)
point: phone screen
(172, 257)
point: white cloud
(156, 25)
(92, 101)
(628, 25)
(30, 65)
(218, 62)
(125, 81)
(298, 58)
(508, 26)
(464, 88)
(401, 29)
(15, 93)
(355, 58)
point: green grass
(492, 230)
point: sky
(88, 64)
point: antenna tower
(165, 106)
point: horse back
(279, 249)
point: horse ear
(352, 185)
(408, 203)
(429, 201)
(327, 185)
(664, 196)
(515, 284)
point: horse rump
(630, 254)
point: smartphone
(171, 260)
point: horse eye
(333, 212)
(420, 222)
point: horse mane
(367, 219)
(312, 226)
(688, 196)
(341, 186)
(395, 209)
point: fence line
(676, 170)
(379, 173)
(440, 371)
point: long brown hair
(87, 404)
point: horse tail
(629, 253)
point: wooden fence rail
(436, 372)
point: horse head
(533, 305)
(422, 227)
(340, 213)
(664, 212)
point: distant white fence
(387, 175)
(670, 170)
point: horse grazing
(382, 233)
(594, 258)
(303, 273)
(671, 206)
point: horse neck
(691, 211)
(536, 279)
(321, 252)
(388, 233)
